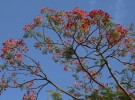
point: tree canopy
(99, 53)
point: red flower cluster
(121, 30)
(96, 14)
(69, 25)
(43, 10)
(84, 20)
(68, 15)
(31, 26)
(85, 25)
(128, 44)
(46, 9)
(3, 84)
(18, 56)
(15, 84)
(38, 20)
(11, 49)
(56, 18)
(30, 95)
(79, 12)
(93, 72)
(115, 34)
(30, 84)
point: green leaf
(32, 34)
(21, 87)
(96, 62)
(3, 66)
(58, 88)
(86, 91)
(26, 35)
(55, 95)
(39, 34)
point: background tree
(88, 44)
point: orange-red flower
(79, 12)
(43, 10)
(38, 20)
(29, 27)
(69, 24)
(18, 56)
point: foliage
(88, 44)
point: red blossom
(66, 68)
(15, 84)
(52, 10)
(43, 10)
(11, 49)
(93, 13)
(38, 20)
(18, 56)
(35, 71)
(29, 27)
(30, 84)
(81, 13)
(68, 15)
(30, 95)
(96, 14)
(116, 33)
(69, 24)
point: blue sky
(14, 14)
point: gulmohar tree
(99, 53)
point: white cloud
(120, 11)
